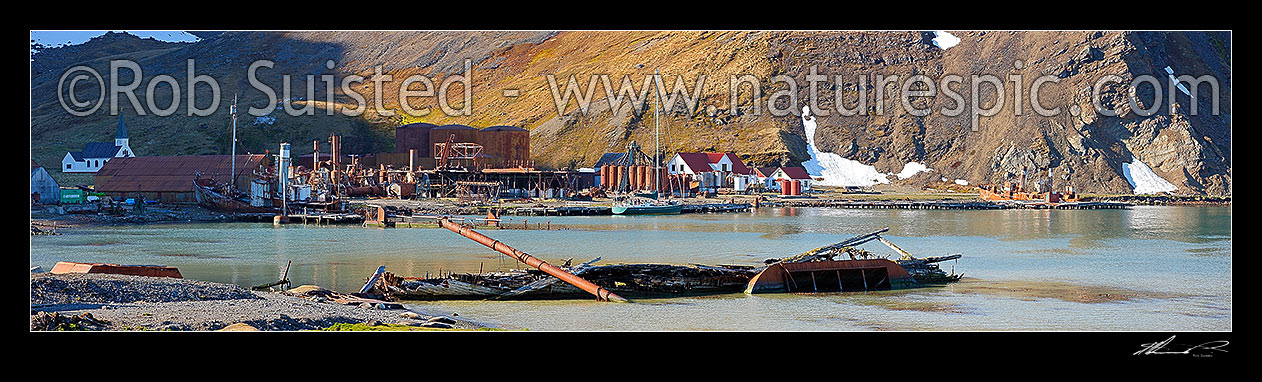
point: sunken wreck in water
(840, 267)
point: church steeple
(121, 139)
(122, 130)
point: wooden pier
(561, 211)
(946, 205)
(1075, 206)
(325, 218)
(588, 210)
(716, 207)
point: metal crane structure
(634, 157)
(452, 150)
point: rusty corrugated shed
(171, 173)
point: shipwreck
(816, 271)
(820, 270)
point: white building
(793, 173)
(763, 175)
(712, 170)
(95, 154)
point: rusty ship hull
(215, 201)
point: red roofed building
(764, 176)
(169, 179)
(793, 173)
(712, 170)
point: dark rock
(441, 319)
(437, 325)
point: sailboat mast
(232, 177)
(657, 141)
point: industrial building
(44, 189)
(413, 136)
(505, 146)
(491, 147)
(169, 179)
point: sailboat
(647, 203)
(648, 208)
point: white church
(95, 154)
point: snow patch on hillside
(835, 170)
(912, 168)
(945, 40)
(1143, 180)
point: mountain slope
(1191, 152)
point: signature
(1159, 348)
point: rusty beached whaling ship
(224, 198)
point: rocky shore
(93, 214)
(1167, 200)
(125, 303)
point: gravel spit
(156, 303)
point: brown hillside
(1193, 152)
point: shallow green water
(1176, 260)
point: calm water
(1025, 269)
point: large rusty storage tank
(637, 177)
(620, 172)
(414, 136)
(607, 176)
(507, 145)
(440, 134)
(646, 177)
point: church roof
(99, 150)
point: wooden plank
(373, 280)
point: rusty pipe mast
(600, 293)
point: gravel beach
(121, 302)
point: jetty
(589, 210)
(325, 218)
(945, 204)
